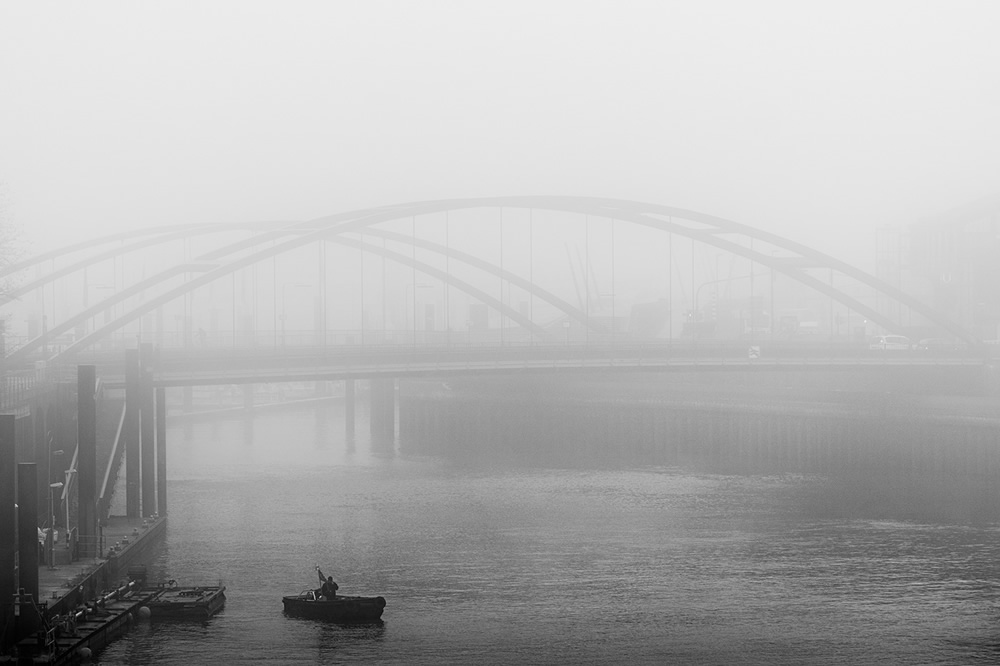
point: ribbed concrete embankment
(810, 438)
(915, 454)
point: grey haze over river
(497, 564)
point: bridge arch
(699, 227)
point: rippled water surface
(496, 564)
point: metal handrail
(113, 463)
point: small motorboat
(309, 604)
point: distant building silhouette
(954, 258)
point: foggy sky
(818, 120)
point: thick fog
(820, 121)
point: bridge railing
(408, 353)
(18, 388)
(416, 357)
(288, 341)
(282, 339)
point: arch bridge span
(460, 272)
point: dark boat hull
(340, 609)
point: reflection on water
(501, 564)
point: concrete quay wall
(731, 437)
(869, 453)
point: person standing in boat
(329, 587)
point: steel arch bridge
(376, 232)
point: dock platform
(90, 602)
(78, 636)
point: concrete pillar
(349, 406)
(383, 408)
(86, 465)
(131, 433)
(27, 542)
(188, 402)
(161, 451)
(388, 387)
(248, 398)
(390, 407)
(375, 398)
(147, 429)
(8, 536)
(407, 431)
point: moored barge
(183, 603)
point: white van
(891, 343)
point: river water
(487, 563)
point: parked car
(890, 343)
(935, 345)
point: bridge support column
(383, 408)
(161, 451)
(8, 534)
(349, 406)
(86, 429)
(248, 398)
(147, 437)
(131, 433)
(375, 406)
(27, 543)
(390, 408)
(406, 420)
(188, 407)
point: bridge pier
(187, 408)
(349, 407)
(382, 420)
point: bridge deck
(243, 366)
